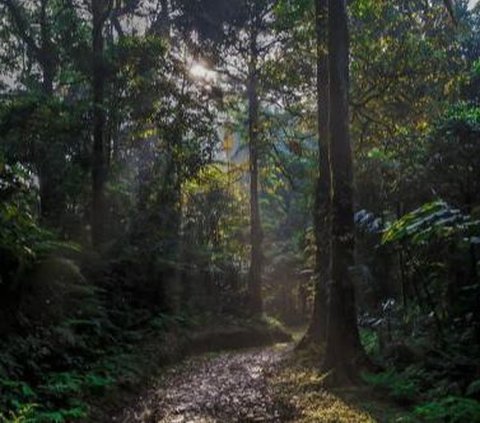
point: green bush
(401, 386)
(22, 240)
(370, 341)
(53, 400)
(55, 291)
(450, 409)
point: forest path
(223, 387)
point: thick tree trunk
(343, 349)
(98, 160)
(255, 274)
(52, 198)
(316, 332)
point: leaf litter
(220, 388)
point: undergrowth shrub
(402, 387)
(450, 409)
(432, 398)
(370, 341)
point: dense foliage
(159, 170)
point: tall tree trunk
(52, 198)
(168, 289)
(343, 349)
(316, 332)
(98, 159)
(255, 274)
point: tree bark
(316, 332)
(161, 24)
(48, 60)
(52, 199)
(98, 159)
(344, 351)
(255, 273)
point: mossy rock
(54, 291)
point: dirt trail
(221, 388)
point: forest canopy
(194, 175)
